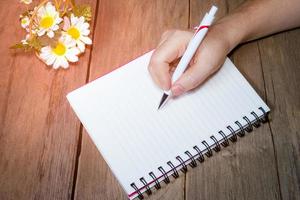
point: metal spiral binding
(140, 195)
(233, 138)
(184, 167)
(249, 128)
(226, 141)
(264, 117)
(175, 172)
(199, 154)
(217, 147)
(241, 131)
(209, 152)
(148, 190)
(191, 157)
(157, 184)
(166, 177)
(256, 124)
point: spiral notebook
(147, 148)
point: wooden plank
(247, 169)
(199, 8)
(281, 66)
(39, 131)
(124, 30)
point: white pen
(190, 50)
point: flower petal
(50, 9)
(58, 20)
(57, 63)
(74, 51)
(85, 32)
(71, 57)
(44, 56)
(41, 32)
(85, 25)
(81, 19)
(46, 49)
(41, 11)
(86, 40)
(64, 62)
(80, 22)
(69, 42)
(55, 27)
(74, 20)
(81, 46)
(66, 23)
(50, 60)
(50, 34)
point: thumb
(208, 59)
(204, 65)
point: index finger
(169, 50)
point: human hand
(208, 59)
(251, 20)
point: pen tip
(163, 99)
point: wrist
(232, 29)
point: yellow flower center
(74, 33)
(60, 49)
(24, 21)
(46, 22)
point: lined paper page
(119, 111)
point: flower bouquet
(57, 31)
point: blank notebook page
(119, 111)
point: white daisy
(78, 31)
(25, 22)
(58, 56)
(26, 1)
(48, 20)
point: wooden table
(45, 153)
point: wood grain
(39, 131)
(281, 66)
(124, 30)
(46, 154)
(245, 170)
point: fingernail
(177, 90)
(165, 87)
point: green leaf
(35, 43)
(21, 46)
(83, 10)
(31, 45)
(26, 13)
